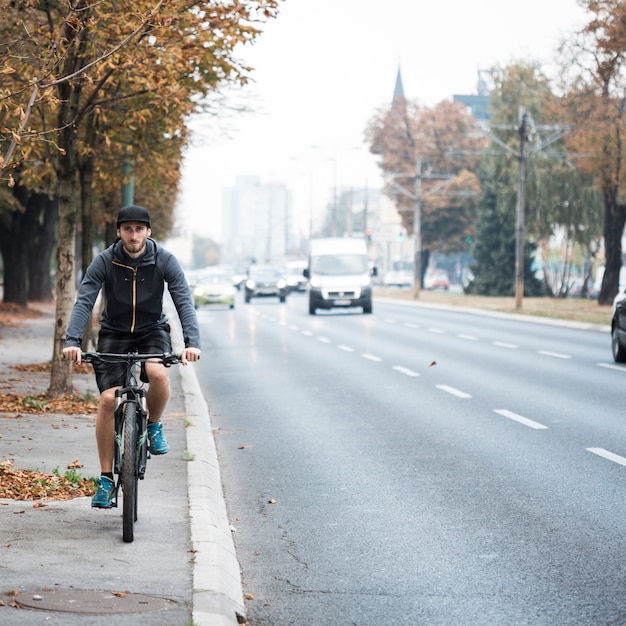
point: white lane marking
(371, 357)
(520, 419)
(437, 331)
(468, 337)
(504, 344)
(610, 366)
(308, 333)
(293, 327)
(556, 355)
(404, 370)
(411, 325)
(608, 455)
(345, 348)
(390, 320)
(324, 339)
(453, 391)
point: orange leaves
(34, 485)
(68, 405)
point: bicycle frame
(132, 392)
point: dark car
(265, 281)
(618, 328)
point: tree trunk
(614, 219)
(61, 374)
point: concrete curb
(217, 594)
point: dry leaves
(69, 405)
(33, 485)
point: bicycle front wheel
(129, 471)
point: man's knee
(158, 375)
(107, 399)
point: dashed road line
(371, 357)
(324, 339)
(505, 344)
(411, 325)
(616, 458)
(455, 392)
(437, 331)
(345, 348)
(404, 370)
(610, 366)
(467, 337)
(519, 418)
(556, 355)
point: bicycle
(131, 430)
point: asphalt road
(419, 466)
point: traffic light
(368, 235)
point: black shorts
(110, 375)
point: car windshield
(336, 265)
(214, 278)
(265, 274)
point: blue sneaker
(103, 498)
(158, 443)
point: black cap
(133, 213)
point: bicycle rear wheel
(129, 471)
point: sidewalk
(68, 561)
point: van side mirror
(374, 271)
(306, 273)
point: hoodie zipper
(134, 305)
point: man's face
(133, 236)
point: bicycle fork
(138, 397)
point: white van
(339, 274)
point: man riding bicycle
(132, 272)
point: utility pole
(417, 230)
(417, 195)
(526, 130)
(525, 134)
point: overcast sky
(324, 67)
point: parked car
(437, 280)
(212, 286)
(265, 281)
(576, 289)
(398, 278)
(618, 328)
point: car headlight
(316, 282)
(366, 280)
(250, 284)
(281, 284)
(198, 291)
(230, 291)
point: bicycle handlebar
(165, 358)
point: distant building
(256, 221)
(478, 103)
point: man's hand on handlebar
(189, 355)
(72, 353)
